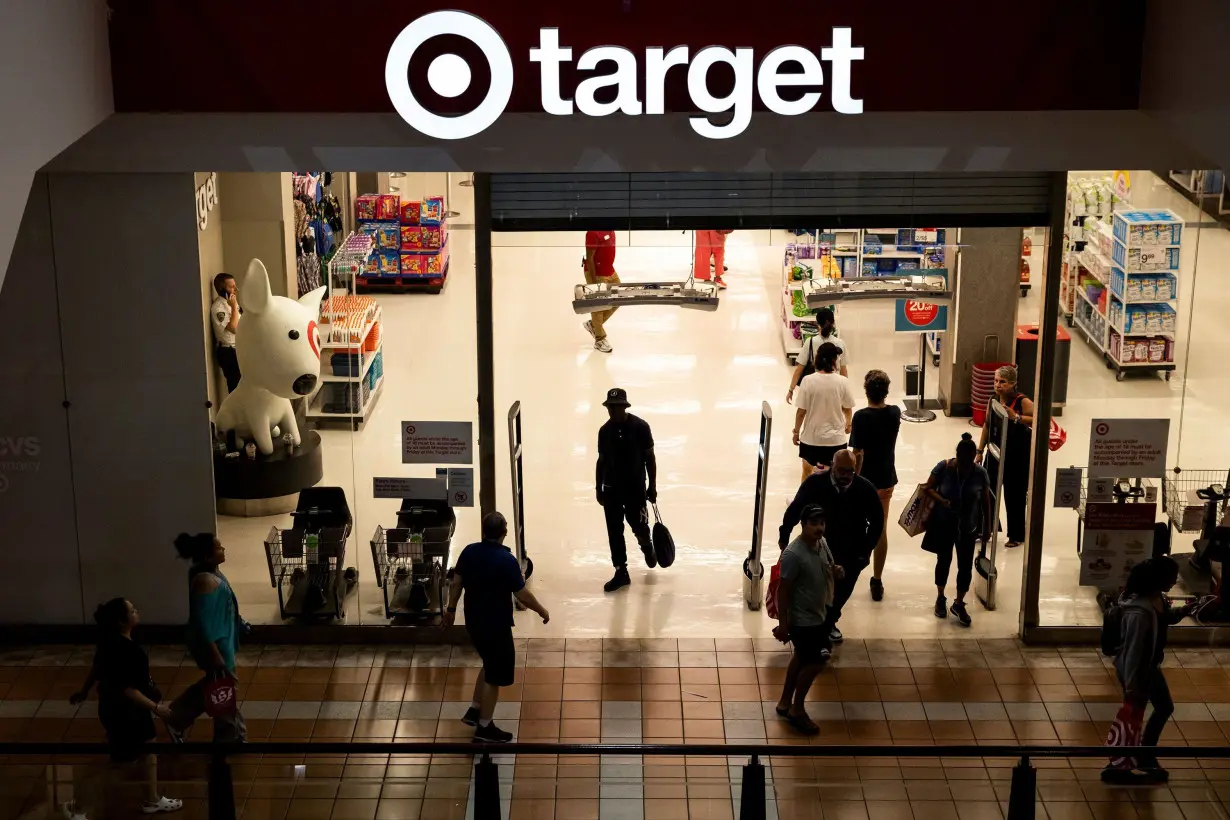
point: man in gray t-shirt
(804, 593)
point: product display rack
(1126, 289)
(367, 378)
(853, 253)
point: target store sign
(915, 316)
(1128, 448)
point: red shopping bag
(770, 597)
(1125, 731)
(221, 699)
(1058, 436)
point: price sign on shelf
(927, 236)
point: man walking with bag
(855, 519)
(625, 461)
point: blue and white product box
(1147, 228)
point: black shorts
(808, 642)
(495, 647)
(817, 455)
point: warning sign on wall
(1128, 448)
(437, 442)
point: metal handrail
(631, 749)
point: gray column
(484, 317)
(126, 265)
(987, 292)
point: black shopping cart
(411, 559)
(307, 562)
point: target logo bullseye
(613, 79)
(1102, 428)
(449, 75)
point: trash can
(1027, 362)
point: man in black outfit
(855, 520)
(625, 459)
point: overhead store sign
(616, 69)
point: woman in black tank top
(1020, 440)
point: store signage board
(1117, 537)
(437, 442)
(1128, 448)
(927, 236)
(914, 316)
(425, 489)
(1068, 487)
(787, 67)
(460, 485)
(206, 200)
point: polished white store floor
(699, 380)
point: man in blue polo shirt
(491, 577)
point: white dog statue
(278, 346)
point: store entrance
(699, 378)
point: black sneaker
(835, 636)
(470, 718)
(959, 612)
(619, 579)
(491, 734)
(826, 655)
(877, 589)
(941, 607)
(651, 560)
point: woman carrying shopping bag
(1139, 622)
(962, 492)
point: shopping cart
(411, 559)
(307, 562)
(1195, 502)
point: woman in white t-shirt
(825, 405)
(807, 356)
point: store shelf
(1081, 292)
(366, 359)
(893, 255)
(1141, 300)
(791, 345)
(359, 416)
(367, 328)
(789, 306)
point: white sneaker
(589, 327)
(164, 804)
(68, 812)
(602, 346)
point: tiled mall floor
(654, 691)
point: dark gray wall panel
(129, 287)
(38, 534)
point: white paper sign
(1068, 487)
(1101, 490)
(400, 487)
(1117, 537)
(461, 486)
(1128, 448)
(437, 442)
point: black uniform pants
(229, 363)
(636, 513)
(843, 589)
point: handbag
(221, 699)
(770, 596)
(663, 543)
(917, 511)
(1058, 436)
(1125, 731)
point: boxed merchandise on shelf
(423, 263)
(1138, 287)
(411, 212)
(385, 235)
(1151, 228)
(1142, 350)
(423, 237)
(432, 211)
(378, 208)
(1143, 319)
(383, 262)
(335, 307)
(1149, 259)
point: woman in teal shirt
(214, 626)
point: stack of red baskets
(982, 389)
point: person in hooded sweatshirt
(1147, 615)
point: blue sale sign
(914, 316)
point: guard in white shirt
(224, 316)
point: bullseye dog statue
(278, 346)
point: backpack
(1112, 630)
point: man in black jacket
(855, 520)
(625, 461)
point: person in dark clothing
(1020, 441)
(1147, 616)
(625, 460)
(873, 438)
(962, 491)
(854, 521)
(490, 577)
(128, 700)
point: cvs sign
(616, 69)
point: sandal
(803, 724)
